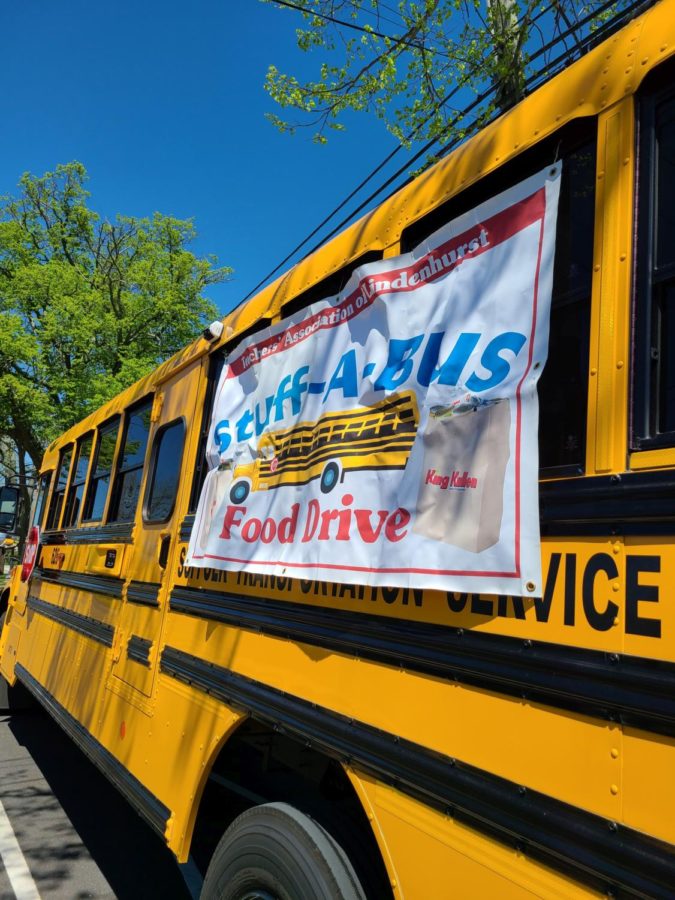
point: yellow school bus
(336, 740)
(371, 437)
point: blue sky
(164, 104)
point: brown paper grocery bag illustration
(218, 482)
(461, 494)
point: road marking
(14, 862)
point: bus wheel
(329, 477)
(276, 852)
(239, 491)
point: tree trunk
(507, 62)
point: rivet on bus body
(558, 118)
(605, 71)
(622, 257)
(619, 364)
(603, 103)
(614, 789)
(601, 175)
(531, 586)
(626, 161)
(594, 371)
(615, 622)
(614, 753)
(596, 268)
(616, 548)
(615, 586)
(664, 48)
(645, 61)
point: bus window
(167, 455)
(130, 466)
(100, 480)
(43, 491)
(216, 363)
(654, 389)
(563, 387)
(59, 488)
(76, 489)
(331, 285)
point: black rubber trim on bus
(108, 585)
(145, 593)
(631, 503)
(632, 690)
(152, 810)
(86, 625)
(117, 533)
(186, 528)
(138, 649)
(595, 850)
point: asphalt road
(77, 837)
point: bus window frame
(148, 400)
(216, 363)
(75, 484)
(44, 486)
(644, 403)
(109, 425)
(53, 525)
(152, 470)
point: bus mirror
(9, 509)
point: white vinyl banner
(388, 435)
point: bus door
(138, 638)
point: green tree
(87, 306)
(416, 64)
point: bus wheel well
(259, 765)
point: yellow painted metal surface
(452, 861)
(606, 593)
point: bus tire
(274, 850)
(329, 477)
(239, 492)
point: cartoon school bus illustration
(370, 437)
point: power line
(355, 27)
(478, 100)
(462, 83)
(607, 26)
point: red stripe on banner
(319, 565)
(437, 263)
(535, 303)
